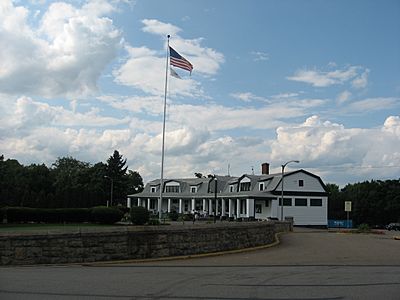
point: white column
(169, 205)
(193, 205)
(248, 208)
(277, 207)
(238, 208)
(148, 203)
(180, 206)
(128, 202)
(204, 205)
(273, 208)
(223, 207)
(216, 207)
(210, 210)
(230, 208)
(139, 203)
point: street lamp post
(215, 198)
(112, 188)
(283, 170)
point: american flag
(179, 61)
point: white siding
(291, 183)
(265, 210)
(307, 215)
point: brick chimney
(265, 169)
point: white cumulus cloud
(144, 68)
(320, 78)
(63, 56)
(326, 146)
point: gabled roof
(278, 178)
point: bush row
(99, 214)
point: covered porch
(222, 207)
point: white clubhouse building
(247, 197)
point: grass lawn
(19, 228)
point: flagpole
(163, 131)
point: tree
(68, 183)
(335, 203)
(12, 182)
(135, 182)
(116, 170)
(70, 179)
(39, 186)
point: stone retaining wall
(135, 242)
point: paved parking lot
(308, 264)
(317, 247)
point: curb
(170, 258)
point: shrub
(187, 217)
(105, 215)
(102, 215)
(363, 228)
(78, 215)
(124, 209)
(20, 214)
(153, 222)
(139, 215)
(173, 215)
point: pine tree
(116, 171)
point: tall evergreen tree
(116, 172)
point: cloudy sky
(316, 81)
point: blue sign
(340, 224)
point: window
(153, 189)
(172, 189)
(261, 185)
(258, 208)
(193, 189)
(300, 202)
(315, 202)
(231, 188)
(245, 186)
(286, 202)
(301, 182)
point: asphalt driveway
(308, 264)
(316, 247)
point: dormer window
(153, 189)
(172, 187)
(245, 184)
(193, 189)
(261, 186)
(231, 188)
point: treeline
(374, 202)
(68, 183)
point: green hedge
(173, 215)
(139, 215)
(103, 215)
